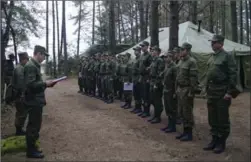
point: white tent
(188, 32)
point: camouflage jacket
(35, 86)
(18, 79)
(221, 74)
(187, 74)
(145, 61)
(135, 70)
(157, 66)
(169, 77)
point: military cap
(137, 48)
(186, 46)
(169, 53)
(176, 49)
(156, 48)
(144, 43)
(128, 54)
(217, 38)
(40, 49)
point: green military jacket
(97, 66)
(102, 70)
(221, 74)
(135, 70)
(157, 66)
(35, 86)
(145, 61)
(18, 80)
(187, 74)
(169, 77)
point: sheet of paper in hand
(60, 79)
(128, 86)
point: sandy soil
(77, 127)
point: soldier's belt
(183, 85)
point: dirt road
(77, 127)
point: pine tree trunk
(146, 20)
(79, 27)
(119, 24)
(174, 24)
(53, 40)
(241, 22)
(131, 23)
(234, 21)
(65, 42)
(47, 35)
(112, 39)
(247, 22)
(194, 12)
(137, 23)
(211, 18)
(93, 22)
(223, 18)
(123, 25)
(141, 19)
(154, 23)
(58, 35)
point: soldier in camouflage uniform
(145, 61)
(186, 83)
(34, 99)
(96, 75)
(110, 71)
(119, 76)
(80, 83)
(127, 79)
(103, 77)
(19, 87)
(170, 101)
(84, 76)
(176, 60)
(221, 83)
(136, 81)
(92, 77)
(156, 87)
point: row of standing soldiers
(152, 76)
(173, 76)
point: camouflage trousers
(107, 86)
(21, 114)
(145, 95)
(218, 116)
(185, 106)
(170, 104)
(136, 94)
(34, 125)
(80, 83)
(99, 85)
(156, 93)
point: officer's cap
(137, 48)
(186, 46)
(23, 55)
(40, 49)
(144, 43)
(217, 38)
(156, 48)
(176, 49)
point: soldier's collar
(35, 62)
(186, 57)
(218, 51)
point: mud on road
(77, 127)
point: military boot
(32, 151)
(151, 119)
(220, 145)
(178, 121)
(156, 120)
(172, 126)
(188, 136)
(146, 111)
(212, 144)
(124, 105)
(181, 135)
(168, 125)
(129, 105)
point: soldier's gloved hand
(227, 97)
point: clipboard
(59, 79)
(128, 86)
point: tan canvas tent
(188, 32)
